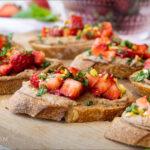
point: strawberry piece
(91, 80)
(107, 29)
(76, 22)
(73, 70)
(42, 3)
(44, 32)
(34, 80)
(21, 62)
(53, 83)
(142, 102)
(103, 84)
(147, 64)
(5, 69)
(112, 93)
(71, 88)
(55, 32)
(39, 57)
(3, 40)
(9, 10)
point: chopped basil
(85, 82)
(88, 103)
(42, 76)
(41, 91)
(126, 43)
(81, 74)
(144, 74)
(78, 37)
(129, 60)
(133, 108)
(45, 64)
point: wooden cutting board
(22, 132)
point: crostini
(17, 64)
(141, 79)
(70, 40)
(118, 57)
(77, 96)
(133, 128)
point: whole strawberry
(21, 61)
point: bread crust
(66, 50)
(122, 131)
(10, 84)
(121, 71)
(54, 107)
(142, 88)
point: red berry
(71, 88)
(39, 57)
(5, 69)
(20, 62)
(76, 22)
(112, 93)
(34, 80)
(73, 70)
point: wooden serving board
(22, 132)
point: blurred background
(130, 18)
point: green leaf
(144, 74)
(88, 103)
(45, 64)
(85, 82)
(36, 12)
(41, 91)
(126, 43)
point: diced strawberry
(34, 80)
(5, 69)
(76, 22)
(109, 55)
(91, 80)
(9, 10)
(54, 83)
(142, 102)
(103, 84)
(71, 88)
(107, 29)
(39, 57)
(98, 47)
(44, 32)
(42, 3)
(73, 70)
(56, 32)
(112, 93)
(3, 40)
(147, 64)
(21, 62)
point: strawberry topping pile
(13, 61)
(75, 27)
(109, 48)
(72, 83)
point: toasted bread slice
(61, 47)
(141, 87)
(10, 84)
(124, 132)
(118, 69)
(54, 107)
(48, 106)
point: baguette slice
(54, 107)
(124, 132)
(48, 106)
(61, 47)
(10, 84)
(141, 87)
(119, 69)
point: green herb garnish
(36, 12)
(45, 64)
(89, 103)
(126, 43)
(133, 108)
(42, 76)
(129, 61)
(41, 91)
(78, 37)
(144, 74)
(85, 82)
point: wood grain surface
(24, 133)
